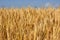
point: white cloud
(51, 4)
(48, 4)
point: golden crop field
(30, 24)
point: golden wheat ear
(30, 24)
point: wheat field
(30, 24)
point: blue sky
(26, 3)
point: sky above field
(26, 3)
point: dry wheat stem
(30, 24)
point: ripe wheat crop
(30, 24)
